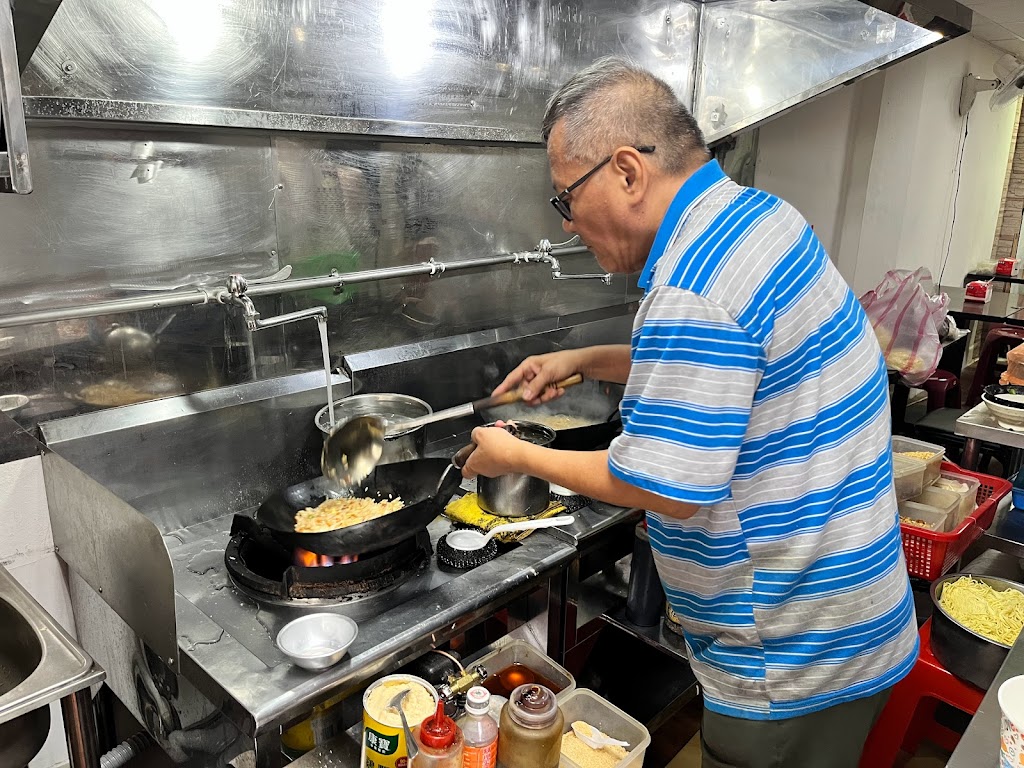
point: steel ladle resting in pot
(353, 449)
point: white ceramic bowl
(1007, 416)
(318, 640)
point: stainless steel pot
(967, 654)
(517, 495)
(393, 408)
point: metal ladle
(134, 344)
(471, 541)
(353, 449)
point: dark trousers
(829, 738)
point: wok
(425, 485)
(594, 403)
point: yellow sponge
(466, 510)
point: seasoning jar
(439, 740)
(530, 732)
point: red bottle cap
(438, 731)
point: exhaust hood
(447, 70)
(31, 19)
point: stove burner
(263, 568)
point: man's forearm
(587, 473)
(607, 362)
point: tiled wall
(1011, 211)
(26, 551)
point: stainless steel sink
(39, 664)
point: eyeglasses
(561, 200)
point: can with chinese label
(384, 745)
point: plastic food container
(935, 519)
(584, 704)
(908, 476)
(968, 499)
(930, 553)
(520, 652)
(947, 502)
(933, 465)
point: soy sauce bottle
(530, 732)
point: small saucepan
(515, 494)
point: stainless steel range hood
(449, 70)
(31, 19)
(757, 59)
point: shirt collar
(692, 189)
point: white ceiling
(1000, 22)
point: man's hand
(585, 472)
(537, 373)
(497, 453)
(609, 362)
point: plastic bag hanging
(907, 321)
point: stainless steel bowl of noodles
(976, 620)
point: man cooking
(756, 429)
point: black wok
(595, 404)
(425, 485)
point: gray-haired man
(756, 429)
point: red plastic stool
(909, 715)
(943, 390)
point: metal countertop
(979, 423)
(227, 640)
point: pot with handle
(516, 494)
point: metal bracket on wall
(15, 174)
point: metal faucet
(544, 248)
(234, 294)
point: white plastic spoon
(595, 739)
(471, 541)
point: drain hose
(125, 751)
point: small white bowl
(1007, 416)
(317, 641)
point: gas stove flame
(307, 559)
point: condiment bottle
(479, 731)
(440, 742)
(530, 732)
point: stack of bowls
(1006, 404)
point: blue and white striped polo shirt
(758, 392)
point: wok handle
(517, 394)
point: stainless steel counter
(979, 425)
(979, 747)
(227, 640)
(1006, 534)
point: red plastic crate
(930, 554)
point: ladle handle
(462, 455)
(530, 525)
(517, 394)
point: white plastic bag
(907, 320)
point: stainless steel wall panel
(349, 205)
(117, 210)
(757, 58)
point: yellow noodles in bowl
(993, 614)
